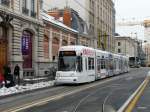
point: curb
(129, 105)
(28, 91)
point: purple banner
(25, 45)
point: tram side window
(115, 63)
(126, 63)
(98, 65)
(86, 63)
(79, 63)
(103, 64)
(91, 63)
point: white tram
(80, 64)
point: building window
(72, 43)
(46, 47)
(32, 5)
(41, 4)
(64, 43)
(119, 43)
(119, 50)
(55, 48)
(24, 7)
(5, 2)
(24, 3)
(33, 14)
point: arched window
(55, 41)
(46, 47)
(72, 43)
(64, 43)
(55, 48)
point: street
(100, 96)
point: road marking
(142, 108)
(56, 97)
(59, 96)
(133, 99)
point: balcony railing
(5, 2)
(25, 11)
(33, 14)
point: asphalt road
(143, 105)
(100, 96)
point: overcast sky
(129, 9)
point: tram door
(3, 54)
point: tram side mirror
(79, 63)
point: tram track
(65, 90)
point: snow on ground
(19, 89)
(34, 79)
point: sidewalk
(27, 85)
(143, 104)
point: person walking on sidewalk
(17, 73)
(8, 76)
(1, 79)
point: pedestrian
(7, 75)
(1, 80)
(17, 73)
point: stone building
(71, 18)
(126, 46)
(99, 16)
(105, 24)
(21, 35)
(147, 30)
(146, 48)
(56, 34)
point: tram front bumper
(67, 80)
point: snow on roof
(52, 20)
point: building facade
(105, 24)
(70, 18)
(126, 46)
(21, 35)
(147, 30)
(56, 34)
(146, 48)
(99, 16)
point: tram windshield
(67, 61)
